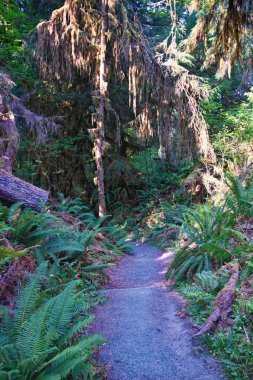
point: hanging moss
(162, 102)
(225, 28)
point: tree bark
(99, 140)
(13, 189)
(9, 137)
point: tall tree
(99, 141)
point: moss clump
(11, 253)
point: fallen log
(13, 189)
(223, 302)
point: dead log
(223, 302)
(13, 189)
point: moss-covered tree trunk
(99, 140)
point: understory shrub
(211, 237)
(44, 315)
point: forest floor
(146, 337)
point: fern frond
(77, 328)
(27, 300)
(32, 335)
(63, 308)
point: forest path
(146, 339)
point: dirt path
(146, 340)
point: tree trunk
(13, 189)
(99, 140)
(9, 137)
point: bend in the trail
(146, 339)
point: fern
(39, 341)
(27, 299)
(74, 207)
(14, 211)
(4, 228)
(207, 280)
(241, 198)
(51, 237)
(209, 230)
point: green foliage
(234, 350)
(231, 128)
(73, 207)
(211, 281)
(157, 175)
(241, 198)
(51, 237)
(233, 347)
(6, 252)
(200, 300)
(15, 55)
(44, 338)
(209, 230)
(121, 180)
(207, 280)
(65, 246)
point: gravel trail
(146, 339)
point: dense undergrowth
(52, 265)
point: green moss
(10, 253)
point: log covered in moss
(13, 189)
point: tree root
(223, 302)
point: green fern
(53, 238)
(209, 230)
(241, 198)
(208, 280)
(74, 207)
(44, 340)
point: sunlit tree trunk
(99, 141)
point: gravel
(146, 339)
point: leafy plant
(211, 281)
(73, 206)
(52, 237)
(44, 339)
(208, 230)
(241, 198)
(121, 182)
